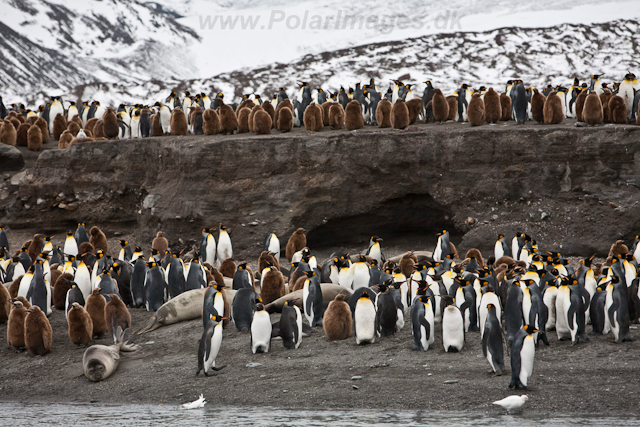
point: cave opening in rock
(405, 223)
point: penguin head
(309, 274)
(242, 266)
(69, 234)
(629, 76)
(259, 306)
(223, 227)
(374, 262)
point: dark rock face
(575, 190)
(10, 158)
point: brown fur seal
(592, 112)
(15, 326)
(95, 305)
(59, 126)
(312, 118)
(211, 122)
(337, 319)
(475, 110)
(21, 134)
(285, 119)
(617, 110)
(336, 116)
(8, 134)
(272, 285)
(99, 362)
(492, 107)
(65, 140)
(383, 113)
(60, 289)
(552, 110)
(243, 120)
(440, 107)
(38, 335)
(110, 124)
(44, 129)
(452, 101)
(80, 325)
(414, 106)
(228, 119)
(160, 243)
(261, 122)
(297, 241)
(399, 115)
(505, 105)
(116, 315)
(537, 106)
(5, 304)
(329, 292)
(178, 122)
(186, 306)
(98, 239)
(228, 268)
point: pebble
(451, 381)
(253, 365)
(149, 342)
(355, 387)
(356, 377)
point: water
(12, 414)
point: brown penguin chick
(65, 140)
(8, 133)
(283, 104)
(160, 242)
(110, 124)
(197, 122)
(228, 119)
(552, 110)
(90, 125)
(298, 284)
(406, 264)
(35, 248)
(268, 107)
(353, 116)
(116, 314)
(85, 248)
(23, 300)
(265, 258)
(618, 248)
(5, 304)
(337, 320)
(475, 253)
(227, 268)
(59, 126)
(272, 285)
(211, 122)
(452, 101)
(504, 260)
(217, 276)
(178, 122)
(73, 128)
(193, 111)
(592, 113)
(13, 289)
(580, 104)
(60, 289)
(44, 129)
(297, 241)
(80, 325)
(414, 107)
(383, 113)
(505, 104)
(38, 335)
(399, 115)
(21, 119)
(312, 118)
(55, 274)
(98, 130)
(336, 116)
(285, 120)
(34, 138)
(15, 326)
(617, 110)
(325, 112)
(247, 103)
(76, 119)
(95, 306)
(440, 107)
(537, 106)
(156, 127)
(251, 114)
(98, 239)
(475, 110)
(605, 96)
(261, 122)
(21, 134)
(492, 107)
(16, 123)
(243, 120)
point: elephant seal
(186, 306)
(329, 292)
(100, 361)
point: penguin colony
(589, 103)
(513, 298)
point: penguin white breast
(527, 355)
(365, 314)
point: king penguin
(224, 249)
(522, 354)
(260, 330)
(364, 319)
(492, 341)
(422, 323)
(210, 345)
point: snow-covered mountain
(539, 56)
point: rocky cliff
(573, 189)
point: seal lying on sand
(100, 361)
(186, 306)
(329, 292)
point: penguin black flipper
(612, 310)
(427, 326)
(516, 365)
(306, 330)
(275, 329)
